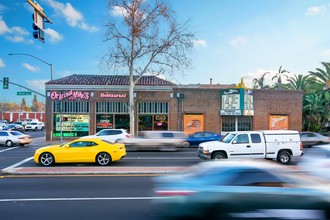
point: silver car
(310, 139)
(10, 138)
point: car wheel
(186, 144)
(219, 156)
(103, 159)
(9, 143)
(284, 157)
(46, 159)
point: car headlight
(205, 150)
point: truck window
(228, 137)
(255, 138)
(241, 139)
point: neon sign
(71, 95)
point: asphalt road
(16, 155)
(76, 197)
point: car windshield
(228, 137)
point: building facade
(79, 105)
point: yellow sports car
(89, 150)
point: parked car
(200, 137)
(111, 135)
(10, 138)
(228, 189)
(310, 139)
(317, 161)
(89, 150)
(34, 126)
(14, 127)
(282, 145)
(157, 140)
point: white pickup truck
(281, 145)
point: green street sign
(24, 93)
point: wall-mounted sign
(236, 101)
(112, 95)
(278, 122)
(71, 95)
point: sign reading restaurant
(112, 95)
(237, 101)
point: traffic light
(38, 24)
(5, 82)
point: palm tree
(278, 77)
(259, 83)
(298, 82)
(322, 75)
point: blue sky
(235, 39)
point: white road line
(79, 199)
(18, 164)
(12, 148)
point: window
(240, 123)
(255, 138)
(83, 144)
(70, 107)
(256, 178)
(241, 139)
(112, 107)
(153, 107)
(3, 134)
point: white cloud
(72, 16)
(200, 43)
(15, 34)
(315, 10)
(3, 27)
(238, 40)
(325, 52)
(118, 11)
(54, 35)
(31, 68)
(38, 84)
(2, 64)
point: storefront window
(145, 123)
(122, 121)
(104, 121)
(72, 125)
(236, 123)
(160, 122)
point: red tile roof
(81, 79)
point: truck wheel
(218, 156)
(284, 157)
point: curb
(91, 170)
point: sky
(235, 39)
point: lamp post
(49, 64)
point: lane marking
(80, 199)
(17, 164)
(12, 148)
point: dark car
(14, 127)
(310, 139)
(200, 137)
(238, 189)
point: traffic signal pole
(24, 88)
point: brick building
(79, 105)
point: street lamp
(49, 64)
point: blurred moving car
(10, 138)
(157, 140)
(317, 161)
(111, 135)
(310, 139)
(89, 150)
(200, 137)
(14, 127)
(226, 189)
(34, 126)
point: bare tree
(146, 38)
